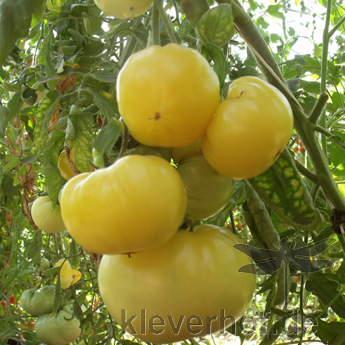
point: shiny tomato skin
(250, 129)
(193, 274)
(124, 9)
(135, 204)
(167, 95)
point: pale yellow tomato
(124, 9)
(46, 217)
(133, 205)
(250, 129)
(167, 95)
(190, 286)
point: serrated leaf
(54, 180)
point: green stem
(155, 26)
(320, 164)
(124, 143)
(325, 43)
(324, 65)
(307, 173)
(166, 21)
(323, 131)
(318, 108)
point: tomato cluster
(192, 147)
(58, 329)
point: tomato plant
(250, 129)
(46, 217)
(105, 82)
(157, 107)
(159, 203)
(169, 283)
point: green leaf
(337, 152)
(4, 112)
(220, 62)
(105, 103)
(258, 220)
(107, 77)
(273, 10)
(108, 136)
(15, 21)
(80, 138)
(43, 115)
(216, 25)
(54, 180)
(329, 332)
(327, 291)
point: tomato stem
(155, 26)
(166, 20)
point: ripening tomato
(188, 287)
(167, 95)
(59, 329)
(180, 153)
(133, 205)
(124, 9)
(250, 129)
(207, 190)
(12, 300)
(46, 217)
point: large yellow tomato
(135, 204)
(207, 190)
(250, 129)
(186, 288)
(46, 217)
(167, 95)
(124, 9)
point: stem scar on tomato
(157, 116)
